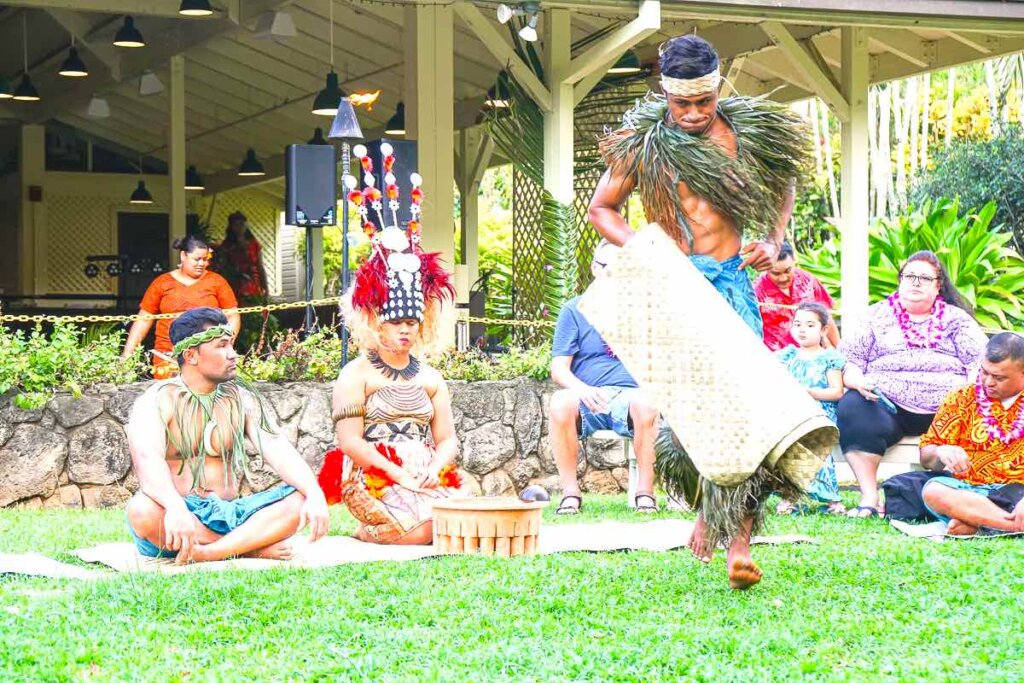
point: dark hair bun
(190, 243)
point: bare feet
(743, 574)
(282, 550)
(958, 528)
(698, 544)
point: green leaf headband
(209, 334)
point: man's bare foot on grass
(959, 528)
(743, 573)
(282, 550)
(698, 543)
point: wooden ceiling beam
(807, 61)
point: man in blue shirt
(597, 393)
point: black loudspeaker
(311, 185)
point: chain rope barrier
(332, 300)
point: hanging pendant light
(251, 166)
(141, 195)
(25, 92)
(195, 8)
(318, 137)
(193, 181)
(5, 89)
(150, 84)
(98, 108)
(326, 102)
(396, 124)
(128, 35)
(499, 94)
(73, 66)
(628, 63)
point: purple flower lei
(936, 323)
(991, 424)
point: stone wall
(74, 452)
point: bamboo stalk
(873, 165)
(902, 126)
(833, 194)
(993, 97)
(926, 98)
(819, 164)
(915, 128)
(885, 151)
(950, 104)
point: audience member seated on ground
(821, 371)
(786, 285)
(978, 437)
(188, 286)
(913, 349)
(187, 439)
(597, 393)
(393, 415)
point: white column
(558, 121)
(854, 201)
(475, 149)
(33, 271)
(433, 116)
(176, 148)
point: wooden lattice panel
(528, 272)
(78, 226)
(261, 211)
(599, 111)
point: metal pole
(309, 279)
(345, 160)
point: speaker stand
(309, 280)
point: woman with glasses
(914, 348)
(190, 285)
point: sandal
(856, 512)
(564, 509)
(645, 508)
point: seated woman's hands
(428, 478)
(867, 390)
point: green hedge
(35, 365)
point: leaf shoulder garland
(773, 149)
(194, 413)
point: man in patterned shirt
(978, 436)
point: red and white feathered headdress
(398, 278)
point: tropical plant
(985, 271)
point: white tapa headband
(688, 87)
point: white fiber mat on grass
(656, 536)
(936, 531)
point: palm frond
(558, 240)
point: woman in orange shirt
(188, 286)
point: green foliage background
(981, 265)
(978, 172)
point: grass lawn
(863, 604)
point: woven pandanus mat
(730, 403)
